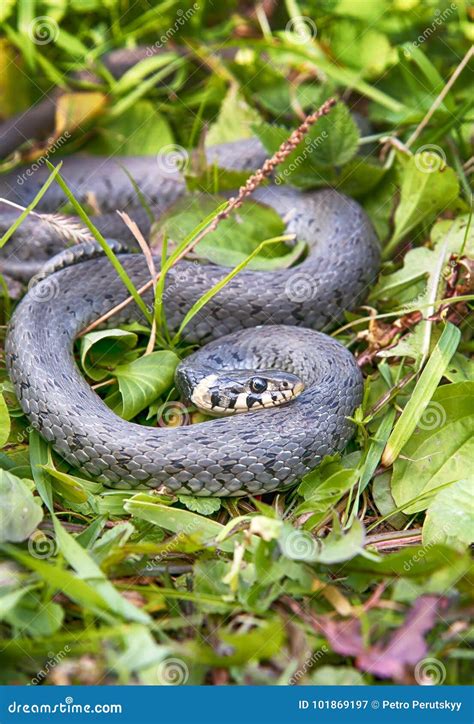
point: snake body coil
(259, 320)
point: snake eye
(258, 384)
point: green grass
(243, 590)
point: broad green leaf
(461, 369)
(441, 449)
(422, 394)
(454, 236)
(322, 498)
(9, 599)
(236, 237)
(263, 641)
(365, 49)
(459, 233)
(20, 513)
(339, 136)
(141, 650)
(71, 487)
(299, 545)
(332, 141)
(87, 569)
(40, 459)
(140, 130)
(450, 516)
(341, 546)
(203, 506)
(417, 561)
(368, 11)
(234, 121)
(428, 186)
(144, 506)
(359, 176)
(102, 350)
(383, 499)
(60, 579)
(36, 621)
(143, 380)
(5, 424)
(417, 264)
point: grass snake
(260, 344)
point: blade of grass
(140, 196)
(372, 459)
(31, 206)
(422, 394)
(197, 306)
(130, 286)
(124, 103)
(77, 557)
(59, 579)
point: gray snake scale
(259, 320)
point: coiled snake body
(259, 322)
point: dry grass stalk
(133, 226)
(233, 203)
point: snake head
(229, 392)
